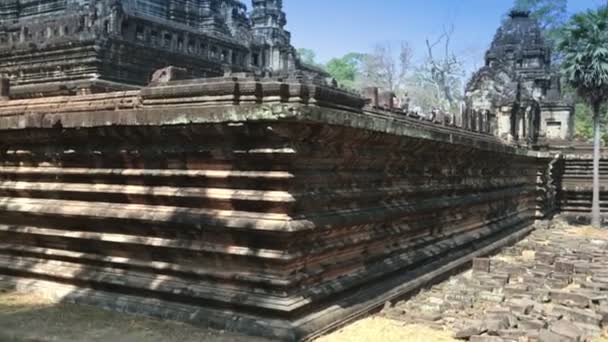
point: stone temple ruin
(518, 93)
(258, 199)
(67, 47)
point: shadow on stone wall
(252, 228)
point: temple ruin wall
(269, 207)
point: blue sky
(333, 28)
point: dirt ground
(28, 318)
(376, 329)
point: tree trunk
(595, 205)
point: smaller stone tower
(268, 21)
(517, 94)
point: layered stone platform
(275, 207)
(575, 176)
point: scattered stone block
(529, 323)
(491, 297)
(495, 324)
(545, 268)
(582, 268)
(521, 306)
(564, 267)
(533, 300)
(545, 257)
(603, 311)
(472, 328)
(512, 334)
(486, 338)
(548, 336)
(512, 251)
(579, 315)
(481, 265)
(570, 299)
(591, 285)
(589, 331)
(502, 278)
(567, 329)
(516, 289)
(599, 279)
(557, 284)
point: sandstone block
(548, 336)
(570, 299)
(564, 267)
(567, 329)
(486, 338)
(472, 328)
(579, 315)
(521, 306)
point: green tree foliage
(552, 14)
(583, 123)
(584, 46)
(347, 69)
(585, 49)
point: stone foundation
(270, 207)
(576, 184)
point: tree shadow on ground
(26, 317)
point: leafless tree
(442, 69)
(386, 69)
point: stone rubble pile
(551, 287)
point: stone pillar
(5, 88)
(520, 127)
(371, 95)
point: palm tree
(584, 48)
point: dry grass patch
(15, 302)
(588, 232)
(385, 330)
(603, 338)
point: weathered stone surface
(603, 311)
(565, 267)
(548, 336)
(530, 323)
(274, 204)
(570, 299)
(472, 328)
(505, 92)
(566, 329)
(579, 315)
(570, 314)
(521, 306)
(575, 191)
(485, 338)
(495, 324)
(272, 197)
(97, 42)
(481, 265)
(513, 334)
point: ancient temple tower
(58, 47)
(268, 21)
(517, 94)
